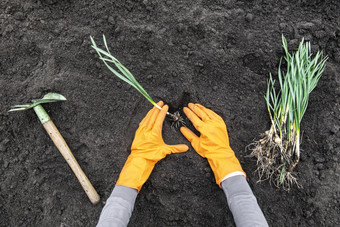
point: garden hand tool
(213, 143)
(59, 140)
(148, 147)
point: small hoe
(59, 141)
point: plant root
(176, 120)
(274, 160)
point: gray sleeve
(242, 202)
(118, 208)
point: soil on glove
(217, 53)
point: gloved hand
(147, 149)
(213, 142)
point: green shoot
(279, 152)
(124, 74)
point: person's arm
(118, 208)
(242, 202)
(147, 149)
(213, 144)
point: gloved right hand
(213, 142)
(147, 149)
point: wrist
(223, 164)
(135, 172)
(236, 173)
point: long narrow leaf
(123, 74)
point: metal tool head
(50, 97)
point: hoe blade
(50, 97)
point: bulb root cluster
(276, 160)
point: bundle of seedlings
(125, 75)
(278, 151)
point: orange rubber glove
(147, 149)
(213, 143)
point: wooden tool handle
(72, 162)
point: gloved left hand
(147, 149)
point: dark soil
(217, 53)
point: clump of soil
(217, 53)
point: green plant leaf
(122, 72)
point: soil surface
(217, 53)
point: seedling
(278, 151)
(59, 141)
(125, 75)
